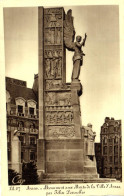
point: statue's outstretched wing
(69, 31)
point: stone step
(70, 176)
(75, 178)
(98, 180)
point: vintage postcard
(61, 101)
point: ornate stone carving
(56, 85)
(53, 84)
(50, 36)
(61, 117)
(53, 68)
(59, 99)
(53, 36)
(58, 35)
(61, 131)
(53, 17)
(53, 53)
(53, 10)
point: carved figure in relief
(59, 67)
(52, 31)
(47, 37)
(53, 67)
(52, 20)
(69, 36)
(59, 53)
(50, 99)
(58, 99)
(58, 36)
(52, 117)
(48, 67)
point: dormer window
(20, 109)
(20, 106)
(31, 108)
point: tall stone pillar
(16, 154)
(60, 145)
(40, 141)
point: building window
(31, 110)
(110, 140)
(105, 160)
(110, 159)
(115, 160)
(21, 125)
(32, 156)
(120, 159)
(20, 109)
(32, 140)
(116, 170)
(105, 150)
(22, 139)
(110, 149)
(20, 106)
(32, 126)
(116, 149)
(110, 170)
(116, 140)
(105, 140)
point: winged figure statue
(76, 47)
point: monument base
(16, 166)
(74, 178)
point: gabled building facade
(110, 165)
(22, 115)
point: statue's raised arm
(69, 36)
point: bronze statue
(69, 36)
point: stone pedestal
(41, 157)
(16, 155)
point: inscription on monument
(61, 131)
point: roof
(18, 88)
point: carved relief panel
(57, 99)
(53, 65)
(53, 17)
(61, 132)
(53, 44)
(59, 117)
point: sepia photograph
(63, 99)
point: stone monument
(65, 149)
(16, 153)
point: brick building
(110, 165)
(22, 115)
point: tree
(29, 173)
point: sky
(100, 73)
